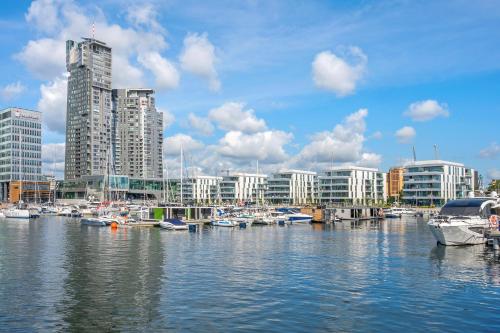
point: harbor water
(56, 275)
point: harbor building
(240, 188)
(352, 185)
(88, 115)
(395, 181)
(21, 156)
(201, 190)
(291, 187)
(434, 182)
(137, 134)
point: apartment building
(291, 187)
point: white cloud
(52, 104)
(144, 16)
(45, 58)
(231, 117)
(11, 90)
(336, 74)
(370, 160)
(166, 75)
(377, 135)
(53, 159)
(200, 124)
(198, 57)
(343, 144)
(491, 152)
(168, 117)
(426, 110)
(405, 134)
(43, 14)
(174, 143)
(263, 146)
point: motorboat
(173, 224)
(224, 223)
(48, 210)
(16, 213)
(296, 217)
(93, 222)
(398, 212)
(465, 221)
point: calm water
(56, 275)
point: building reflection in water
(111, 274)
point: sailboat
(18, 212)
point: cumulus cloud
(11, 90)
(343, 144)
(231, 116)
(144, 16)
(267, 146)
(198, 57)
(339, 75)
(200, 124)
(43, 14)
(405, 134)
(45, 57)
(168, 117)
(174, 143)
(52, 104)
(490, 152)
(165, 73)
(53, 159)
(370, 160)
(426, 110)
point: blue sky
(293, 84)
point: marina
(260, 278)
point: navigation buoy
(114, 225)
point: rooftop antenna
(436, 152)
(414, 155)
(93, 30)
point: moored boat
(93, 222)
(224, 223)
(173, 224)
(465, 221)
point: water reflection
(359, 276)
(111, 274)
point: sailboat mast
(182, 179)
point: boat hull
(460, 234)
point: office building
(291, 187)
(352, 185)
(88, 115)
(434, 182)
(137, 134)
(21, 156)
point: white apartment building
(201, 189)
(292, 187)
(434, 182)
(243, 187)
(352, 185)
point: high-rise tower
(88, 114)
(138, 134)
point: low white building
(240, 188)
(292, 187)
(201, 189)
(352, 185)
(434, 182)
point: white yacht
(173, 224)
(464, 221)
(398, 212)
(16, 213)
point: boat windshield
(465, 207)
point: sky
(270, 85)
